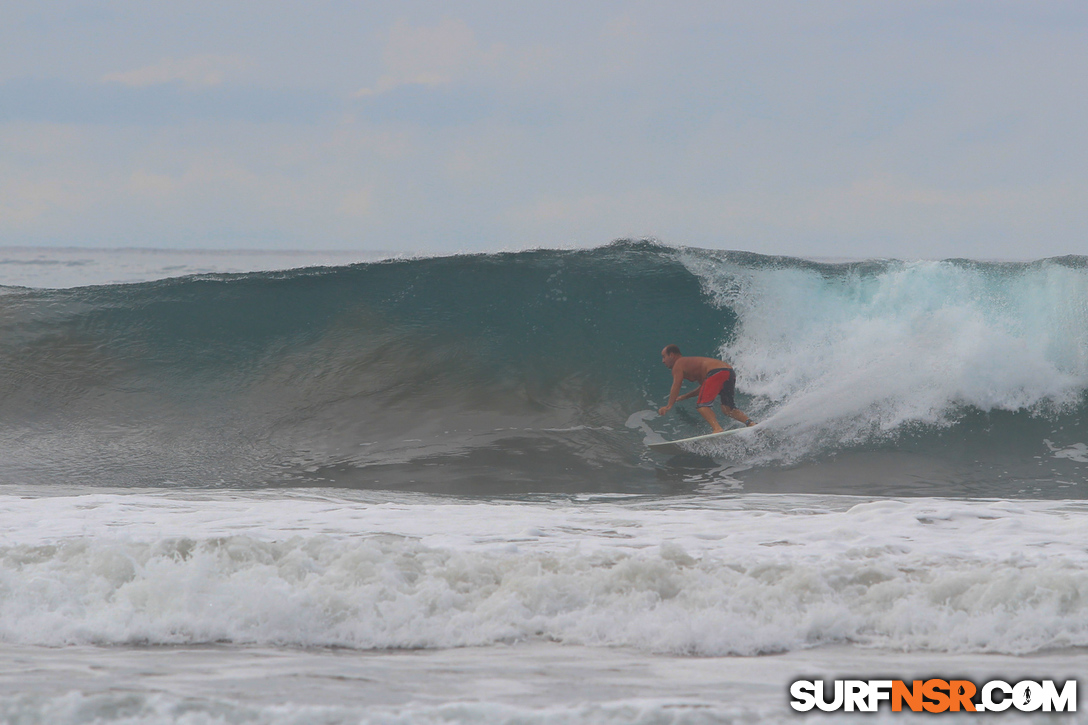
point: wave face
(516, 372)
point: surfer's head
(670, 355)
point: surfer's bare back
(714, 377)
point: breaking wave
(516, 372)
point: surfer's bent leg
(729, 389)
(708, 413)
(737, 414)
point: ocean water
(246, 488)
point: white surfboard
(675, 446)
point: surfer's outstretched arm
(677, 381)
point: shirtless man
(713, 376)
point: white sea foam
(849, 357)
(1077, 452)
(75, 708)
(744, 576)
(156, 709)
(528, 683)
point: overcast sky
(905, 129)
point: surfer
(714, 377)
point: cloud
(823, 129)
(66, 102)
(357, 202)
(152, 186)
(432, 107)
(190, 186)
(24, 203)
(625, 28)
(429, 56)
(199, 71)
(925, 215)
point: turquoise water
(517, 373)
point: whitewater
(335, 489)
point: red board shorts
(722, 380)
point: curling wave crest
(853, 353)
